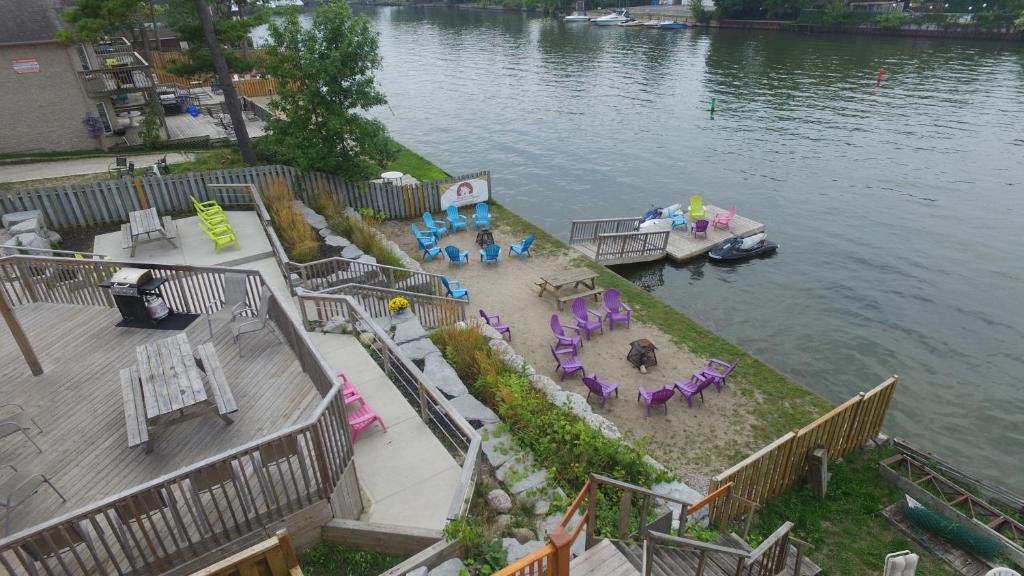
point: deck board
(77, 401)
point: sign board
(464, 192)
(25, 65)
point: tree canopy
(93, 19)
(232, 31)
(325, 78)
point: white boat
(580, 15)
(613, 18)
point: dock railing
(584, 231)
(617, 240)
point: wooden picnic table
(166, 381)
(146, 223)
(559, 280)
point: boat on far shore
(612, 19)
(580, 15)
(631, 23)
(672, 25)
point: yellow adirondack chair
(697, 211)
(221, 234)
(208, 208)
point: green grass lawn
(409, 162)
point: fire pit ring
(642, 354)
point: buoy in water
(881, 74)
(714, 101)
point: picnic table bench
(146, 223)
(576, 277)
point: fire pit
(484, 237)
(642, 354)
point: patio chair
(420, 234)
(234, 303)
(615, 309)
(522, 248)
(18, 488)
(717, 371)
(260, 323)
(363, 418)
(902, 563)
(18, 420)
(430, 249)
(433, 227)
(722, 220)
(692, 387)
(456, 220)
(696, 208)
(482, 216)
(348, 392)
(120, 165)
(678, 220)
(208, 208)
(454, 288)
(655, 397)
(494, 321)
(566, 361)
(558, 329)
(586, 319)
(699, 227)
(490, 253)
(597, 386)
(456, 256)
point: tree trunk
(156, 33)
(220, 65)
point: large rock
(535, 479)
(515, 550)
(421, 571)
(474, 410)
(607, 427)
(574, 402)
(441, 374)
(26, 226)
(367, 338)
(14, 218)
(489, 332)
(366, 259)
(523, 535)
(408, 329)
(335, 240)
(351, 252)
(515, 468)
(28, 240)
(419, 349)
(451, 567)
(545, 384)
(680, 491)
(499, 500)
(337, 325)
(497, 445)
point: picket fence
(110, 201)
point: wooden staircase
(685, 562)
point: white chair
(18, 488)
(1002, 571)
(902, 563)
(12, 422)
(234, 303)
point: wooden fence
(252, 87)
(110, 201)
(774, 468)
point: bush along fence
(110, 201)
(774, 468)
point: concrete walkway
(76, 166)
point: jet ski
(739, 249)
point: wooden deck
(683, 246)
(78, 404)
(184, 126)
(604, 559)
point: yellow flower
(397, 304)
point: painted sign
(25, 65)
(464, 192)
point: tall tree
(91, 20)
(325, 78)
(232, 28)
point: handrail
(73, 253)
(723, 491)
(633, 488)
(661, 537)
(770, 541)
(432, 311)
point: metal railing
(328, 273)
(431, 311)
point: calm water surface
(898, 209)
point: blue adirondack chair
(434, 228)
(522, 248)
(417, 233)
(456, 220)
(429, 248)
(679, 220)
(454, 288)
(455, 256)
(490, 253)
(482, 217)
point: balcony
(117, 70)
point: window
(102, 108)
(84, 57)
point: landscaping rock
(548, 524)
(26, 226)
(52, 236)
(515, 550)
(680, 491)
(497, 445)
(536, 479)
(337, 325)
(443, 376)
(607, 427)
(409, 329)
(499, 500)
(419, 349)
(14, 218)
(515, 466)
(523, 535)
(502, 522)
(351, 252)
(421, 571)
(366, 259)
(542, 504)
(28, 240)
(545, 384)
(571, 400)
(334, 240)
(474, 411)
(367, 338)
(451, 567)
(489, 332)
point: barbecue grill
(641, 354)
(137, 295)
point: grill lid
(131, 276)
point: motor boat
(652, 24)
(739, 249)
(671, 25)
(612, 19)
(577, 18)
(631, 23)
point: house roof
(30, 20)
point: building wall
(44, 110)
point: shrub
(151, 128)
(336, 560)
(298, 236)
(699, 12)
(364, 235)
(892, 20)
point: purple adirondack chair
(496, 324)
(583, 317)
(597, 386)
(558, 329)
(716, 371)
(655, 397)
(692, 387)
(699, 227)
(567, 361)
(615, 309)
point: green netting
(964, 538)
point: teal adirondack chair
(456, 220)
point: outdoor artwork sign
(25, 65)
(464, 192)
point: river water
(898, 208)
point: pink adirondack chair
(716, 371)
(656, 397)
(597, 386)
(583, 317)
(348, 392)
(722, 220)
(699, 227)
(362, 418)
(615, 309)
(494, 321)
(558, 329)
(692, 387)
(567, 361)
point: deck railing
(126, 78)
(631, 245)
(162, 524)
(431, 311)
(331, 272)
(584, 231)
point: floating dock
(613, 241)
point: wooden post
(19, 335)
(817, 470)
(591, 512)
(563, 544)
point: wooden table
(147, 222)
(577, 276)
